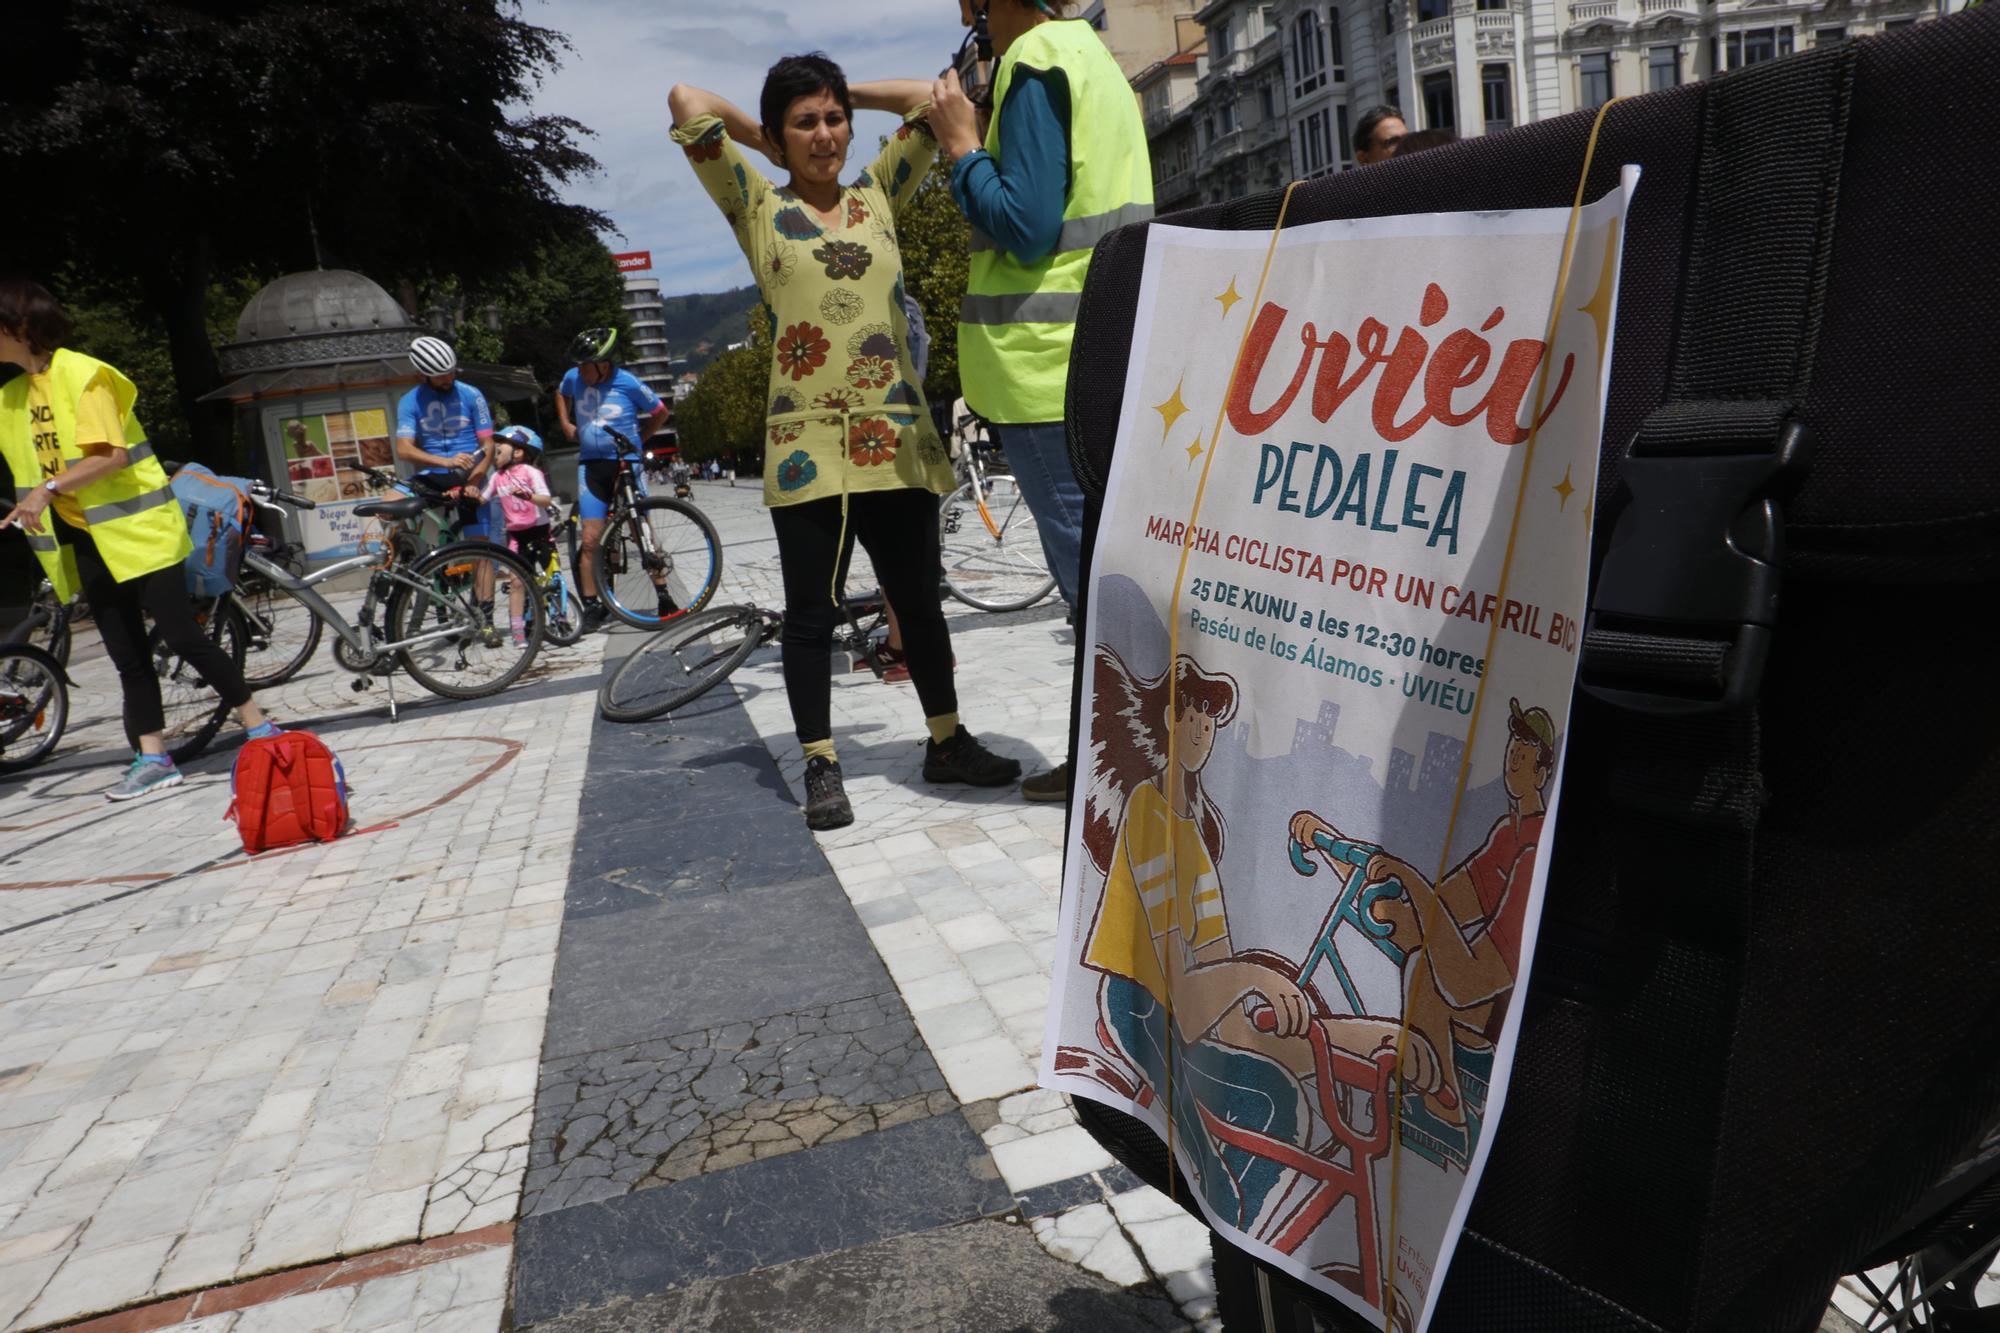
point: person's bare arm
(407, 450)
(897, 96)
(101, 461)
(686, 102)
(562, 416)
(651, 425)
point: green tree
(725, 412)
(166, 142)
(537, 308)
(933, 237)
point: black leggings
(116, 608)
(899, 530)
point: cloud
(628, 53)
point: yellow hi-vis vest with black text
(131, 514)
(1017, 320)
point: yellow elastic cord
(1479, 700)
(840, 543)
(942, 727)
(1174, 653)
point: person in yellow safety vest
(97, 511)
(1062, 163)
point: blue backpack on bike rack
(218, 512)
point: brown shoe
(1050, 786)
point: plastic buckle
(1695, 560)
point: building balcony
(1222, 148)
(1656, 8)
(1592, 11)
(1433, 29)
(1263, 133)
(1497, 20)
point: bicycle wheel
(993, 555)
(687, 561)
(283, 634)
(193, 710)
(564, 611)
(34, 707)
(680, 663)
(462, 653)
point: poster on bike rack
(1334, 614)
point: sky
(628, 53)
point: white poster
(1334, 615)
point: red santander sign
(634, 261)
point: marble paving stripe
(659, 1111)
(916, 1177)
(82, 883)
(1090, 1187)
(257, 1291)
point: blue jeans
(1241, 1087)
(1039, 457)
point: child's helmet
(522, 437)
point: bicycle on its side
(658, 558)
(991, 546)
(675, 667)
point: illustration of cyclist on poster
(1335, 607)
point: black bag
(1760, 1026)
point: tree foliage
(724, 415)
(933, 237)
(166, 141)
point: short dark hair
(800, 76)
(1364, 128)
(1418, 140)
(28, 311)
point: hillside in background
(717, 318)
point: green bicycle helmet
(593, 345)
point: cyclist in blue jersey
(445, 430)
(594, 395)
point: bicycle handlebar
(265, 491)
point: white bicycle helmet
(433, 356)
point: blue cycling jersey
(621, 402)
(444, 423)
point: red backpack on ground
(288, 789)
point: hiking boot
(143, 778)
(1050, 786)
(963, 759)
(827, 806)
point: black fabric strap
(1685, 790)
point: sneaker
(491, 636)
(1050, 786)
(827, 806)
(594, 616)
(964, 759)
(143, 778)
(895, 666)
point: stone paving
(215, 1067)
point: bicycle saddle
(407, 507)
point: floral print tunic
(846, 411)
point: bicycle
(460, 655)
(282, 634)
(995, 563)
(653, 548)
(556, 600)
(675, 667)
(49, 622)
(34, 691)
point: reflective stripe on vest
(1021, 308)
(138, 504)
(44, 541)
(135, 453)
(1017, 319)
(1080, 233)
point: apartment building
(647, 312)
(1274, 92)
